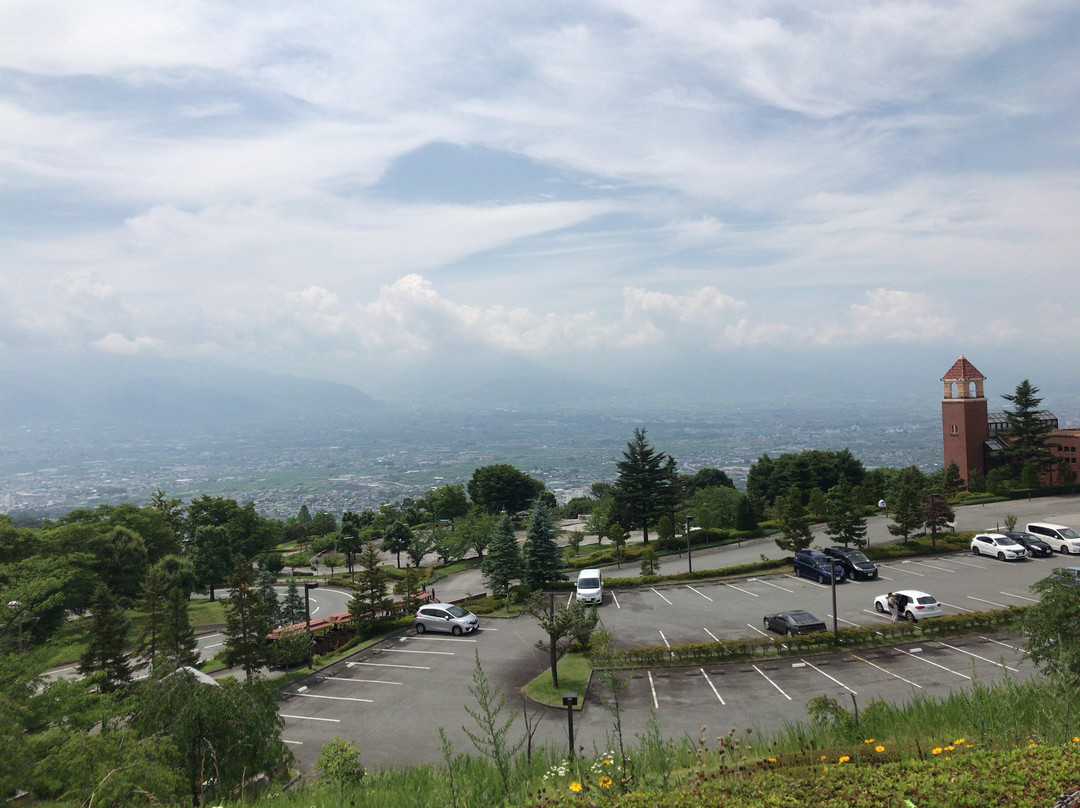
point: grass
(574, 672)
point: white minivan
(590, 587)
(1061, 538)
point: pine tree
(104, 658)
(1027, 431)
(264, 584)
(502, 565)
(370, 601)
(247, 622)
(153, 605)
(178, 647)
(794, 525)
(292, 606)
(844, 523)
(543, 561)
(644, 489)
(907, 510)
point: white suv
(1061, 538)
(1001, 547)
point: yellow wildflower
(605, 781)
(1076, 739)
(575, 786)
(936, 750)
(949, 748)
(822, 758)
(879, 748)
(869, 740)
(844, 759)
(958, 741)
(772, 760)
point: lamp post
(570, 700)
(689, 560)
(308, 586)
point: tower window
(954, 430)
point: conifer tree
(292, 605)
(794, 526)
(1027, 431)
(907, 509)
(844, 524)
(104, 658)
(153, 605)
(247, 622)
(178, 647)
(502, 565)
(543, 561)
(370, 601)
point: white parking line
(998, 642)
(744, 591)
(968, 564)
(954, 606)
(699, 592)
(909, 572)
(429, 638)
(615, 600)
(331, 698)
(388, 665)
(827, 676)
(714, 637)
(668, 602)
(1019, 597)
(292, 743)
(359, 681)
(770, 583)
(652, 686)
(991, 602)
(984, 659)
(410, 651)
(842, 620)
(931, 662)
(890, 673)
(771, 682)
(758, 630)
(932, 566)
(708, 681)
(310, 718)
(666, 643)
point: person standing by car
(894, 607)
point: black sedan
(854, 562)
(1035, 546)
(794, 621)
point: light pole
(308, 586)
(570, 700)
(689, 560)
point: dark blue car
(812, 564)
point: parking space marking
(968, 564)
(1019, 597)
(287, 742)
(842, 620)
(426, 638)
(668, 602)
(332, 698)
(770, 583)
(744, 591)
(699, 592)
(984, 659)
(827, 676)
(758, 630)
(999, 642)
(389, 665)
(954, 606)
(991, 602)
(888, 672)
(666, 643)
(652, 686)
(714, 637)
(708, 681)
(932, 566)
(360, 681)
(913, 655)
(615, 600)
(310, 718)
(771, 682)
(909, 572)
(411, 651)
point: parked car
(447, 617)
(999, 546)
(912, 605)
(794, 621)
(816, 565)
(590, 587)
(1035, 546)
(1061, 538)
(854, 562)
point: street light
(689, 561)
(570, 701)
(308, 586)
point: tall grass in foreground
(1002, 716)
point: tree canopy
(502, 487)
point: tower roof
(961, 370)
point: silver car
(447, 617)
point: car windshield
(857, 556)
(457, 611)
(588, 583)
(1069, 533)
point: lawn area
(574, 671)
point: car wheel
(765, 623)
(456, 630)
(420, 628)
(821, 579)
(975, 551)
(879, 607)
(791, 632)
(1001, 556)
(911, 617)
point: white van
(1061, 538)
(590, 587)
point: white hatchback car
(1000, 547)
(912, 605)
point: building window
(954, 430)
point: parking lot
(393, 698)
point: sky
(359, 191)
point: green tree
(492, 735)
(845, 523)
(397, 539)
(746, 519)
(247, 622)
(502, 565)
(153, 607)
(370, 601)
(665, 531)
(351, 541)
(292, 605)
(476, 530)
(178, 646)
(420, 544)
(906, 504)
(952, 483)
(449, 502)
(814, 468)
(650, 562)
(339, 763)
(121, 562)
(794, 527)
(104, 659)
(212, 556)
(543, 562)
(560, 621)
(502, 487)
(642, 490)
(1026, 431)
(617, 534)
(1051, 630)
(705, 478)
(334, 561)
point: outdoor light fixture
(570, 702)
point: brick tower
(964, 423)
